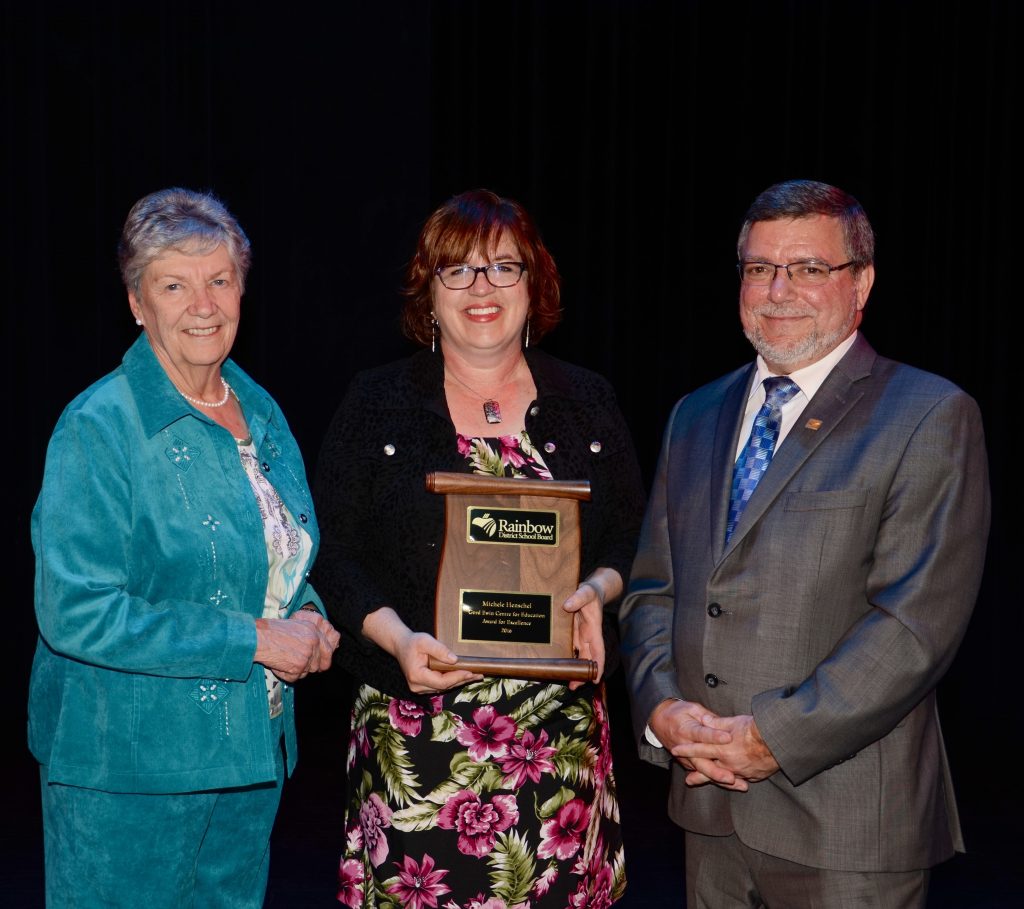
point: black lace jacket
(381, 531)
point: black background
(636, 134)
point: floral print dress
(497, 795)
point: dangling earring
(433, 333)
(527, 345)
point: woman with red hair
(465, 791)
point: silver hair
(804, 198)
(182, 220)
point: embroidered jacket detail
(209, 694)
(181, 454)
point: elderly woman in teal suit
(173, 536)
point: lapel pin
(813, 424)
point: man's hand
(685, 728)
(745, 757)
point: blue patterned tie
(757, 453)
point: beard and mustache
(800, 349)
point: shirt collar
(809, 378)
(160, 404)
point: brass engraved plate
(512, 526)
(505, 616)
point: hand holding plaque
(511, 558)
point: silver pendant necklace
(492, 409)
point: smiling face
(482, 320)
(189, 306)
(792, 326)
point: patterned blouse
(504, 456)
(288, 547)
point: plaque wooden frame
(511, 557)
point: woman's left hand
(327, 633)
(587, 606)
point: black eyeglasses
(805, 273)
(498, 274)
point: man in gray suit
(809, 561)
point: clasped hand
(294, 647)
(726, 751)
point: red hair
(478, 220)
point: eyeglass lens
(499, 274)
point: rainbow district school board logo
(512, 525)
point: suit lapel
(833, 401)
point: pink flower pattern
(477, 822)
(374, 818)
(418, 884)
(488, 734)
(350, 883)
(358, 741)
(509, 763)
(562, 835)
(531, 770)
(604, 753)
(492, 903)
(543, 883)
(354, 838)
(503, 456)
(594, 891)
(510, 453)
(482, 902)
(406, 716)
(527, 759)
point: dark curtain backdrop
(636, 133)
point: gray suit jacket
(842, 598)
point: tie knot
(779, 389)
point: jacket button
(595, 446)
(534, 410)
(304, 518)
(714, 610)
(711, 680)
(389, 449)
(266, 467)
(549, 447)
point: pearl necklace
(201, 403)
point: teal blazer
(151, 570)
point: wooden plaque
(511, 557)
